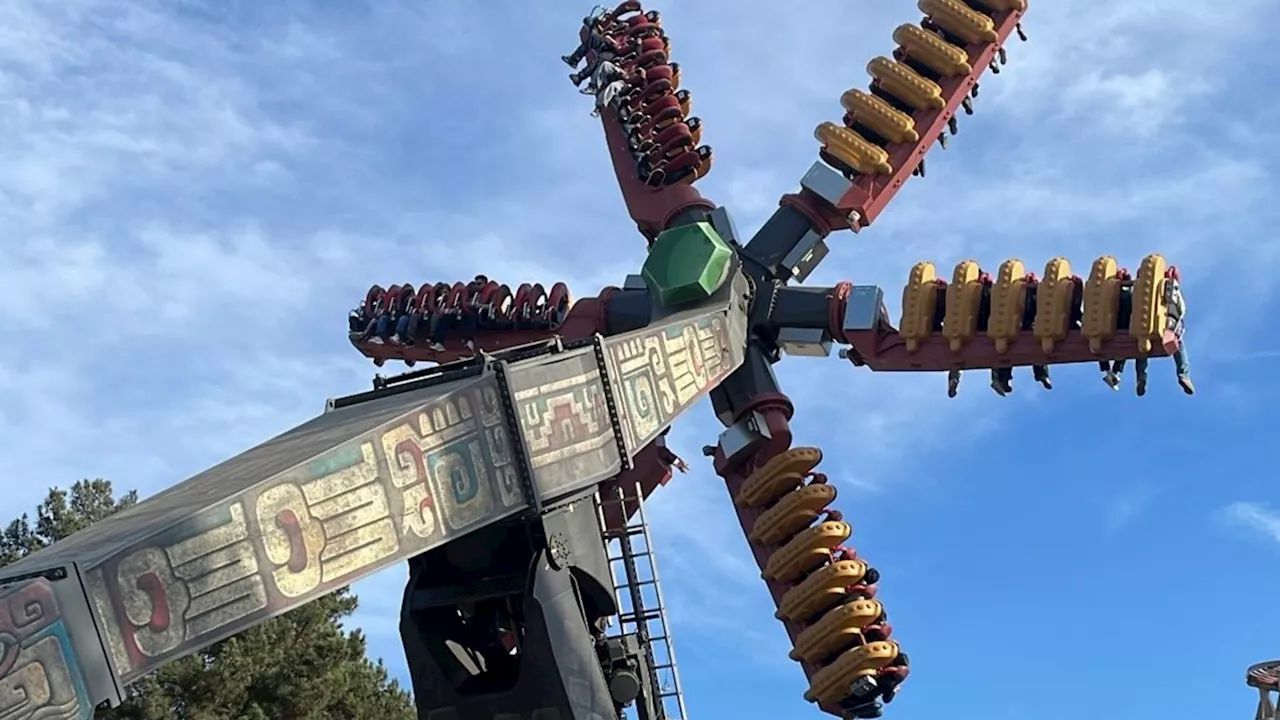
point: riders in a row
(399, 316)
(1002, 377)
(663, 139)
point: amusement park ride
(510, 474)
(1265, 678)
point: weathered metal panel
(40, 675)
(236, 475)
(564, 422)
(659, 372)
(316, 509)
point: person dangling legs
(1111, 371)
(382, 328)
(441, 324)
(1183, 367)
(401, 336)
(600, 48)
(1041, 375)
(470, 324)
(1140, 374)
(611, 81)
(590, 28)
(1176, 303)
(1002, 380)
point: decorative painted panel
(406, 486)
(39, 676)
(658, 372)
(564, 421)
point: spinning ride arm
(434, 322)
(654, 143)
(887, 130)
(825, 593)
(913, 100)
(1010, 320)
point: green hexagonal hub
(687, 264)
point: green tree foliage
(300, 666)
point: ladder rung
(629, 553)
(631, 617)
(647, 614)
(638, 583)
(634, 556)
(632, 552)
(629, 531)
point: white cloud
(1254, 517)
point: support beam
(802, 307)
(753, 377)
(776, 244)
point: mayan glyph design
(328, 524)
(411, 482)
(194, 580)
(39, 676)
(564, 421)
(447, 444)
(659, 373)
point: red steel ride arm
(871, 192)
(652, 140)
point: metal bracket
(742, 436)
(519, 448)
(825, 183)
(864, 309)
(804, 342)
(53, 574)
(610, 403)
(723, 223)
(805, 256)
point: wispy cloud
(1126, 507)
(1254, 517)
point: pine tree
(300, 666)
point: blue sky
(193, 194)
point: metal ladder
(639, 597)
